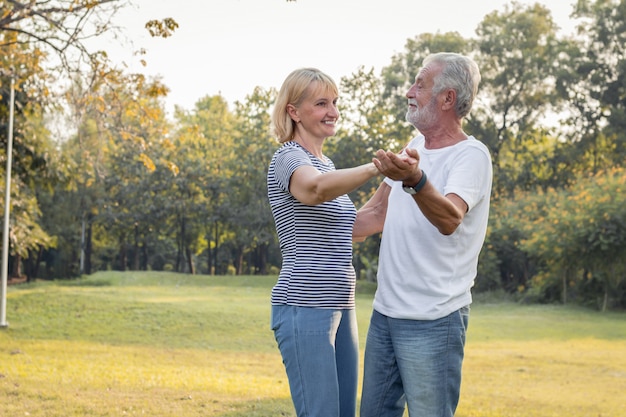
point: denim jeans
(320, 350)
(414, 362)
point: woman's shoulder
(288, 149)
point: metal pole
(7, 210)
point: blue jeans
(416, 362)
(320, 350)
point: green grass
(165, 344)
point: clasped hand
(398, 167)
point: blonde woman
(313, 316)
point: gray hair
(459, 73)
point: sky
(229, 47)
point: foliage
(61, 25)
(564, 244)
(592, 83)
(518, 55)
(208, 135)
(251, 222)
(126, 188)
(36, 164)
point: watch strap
(417, 187)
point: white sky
(228, 47)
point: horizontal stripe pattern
(315, 241)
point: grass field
(165, 344)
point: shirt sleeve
(287, 161)
(470, 176)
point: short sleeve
(287, 160)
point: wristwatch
(417, 187)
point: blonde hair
(294, 90)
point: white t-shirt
(423, 274)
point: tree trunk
(136, 250)
(240, 262)
(190, 264)
(605, 300)
(122, 256)
(262, 259)
(564, 284)
(179, 250)
(88, 247)
(144, 256)
(215, 251)
(209, 255)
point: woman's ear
(292, 111)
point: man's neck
(442, 138)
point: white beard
(423, 118)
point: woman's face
(317, 114)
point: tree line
(127, 187)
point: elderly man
(432, 210)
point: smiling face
(316, 116)
(422, 111)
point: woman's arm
(311, 187)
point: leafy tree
(208, 136)
(121, 133)
(81, 198)
(36, 27)
(34, 158)
(579, 236)
(136, 122)
(65, 26)
(592, 82)
(250, 219)
(61, 25)
(518, 57)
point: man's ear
(449, 99)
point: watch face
(409, 190)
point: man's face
(424, 116)
(423, 105)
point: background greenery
(171, 344)
(121, 186)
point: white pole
(7, 203)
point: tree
(29, 30)
(61, 25)
(35, 159)
(578, 235)
(65, 26)
(518, 57)
(592, 82)
(135, 121)
(250, 219)
(207, 134)
(121, 133)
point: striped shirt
(315, 241)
